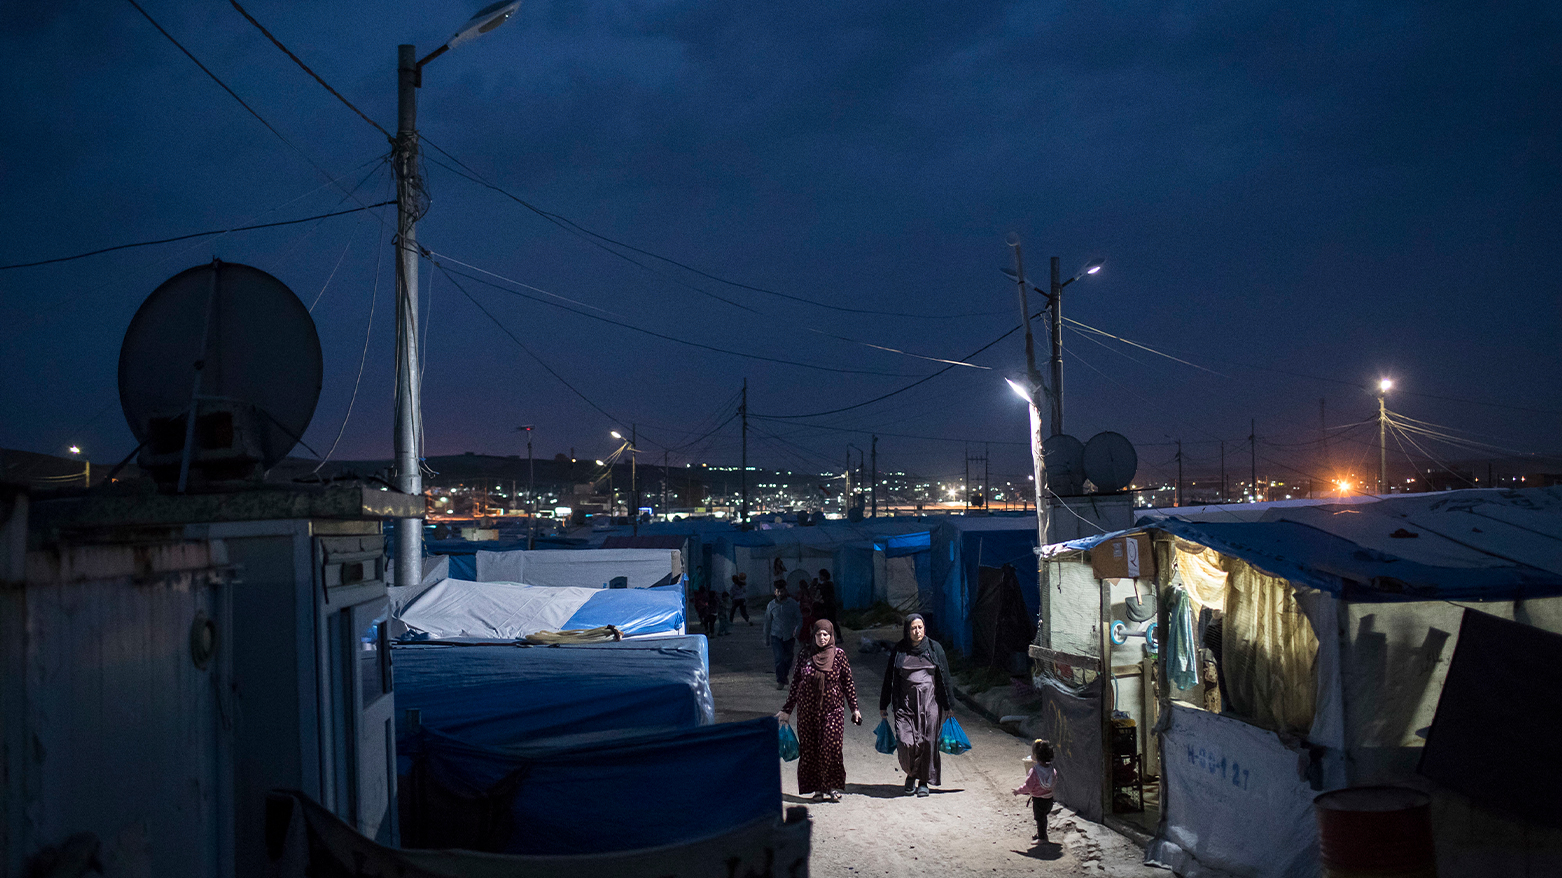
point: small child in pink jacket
(1038, 785)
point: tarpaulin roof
(461, 610)
(602, 791)
(1487, 544)
(504, 694)
(646, 541)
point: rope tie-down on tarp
(600, 634)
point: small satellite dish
(233, 345)
(1110, 462)
(1064, 457)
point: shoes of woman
(833, 795)
(819, 796)
(923, 791)
(911, 784)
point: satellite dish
(1064, 457)
(1110, 462)
(234, 345)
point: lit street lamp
(634, 483)
(1384, 385)
(409, 207)
(531, 490)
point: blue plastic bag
(884, 738)
(788, 740)
(952, 739)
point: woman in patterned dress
(916, 687)
(822, 688)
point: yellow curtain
(1270, 653)
(1202, 576)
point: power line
(654, 334)
(305, 67)
(249, 228)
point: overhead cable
(250, 228)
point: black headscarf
(923, 647)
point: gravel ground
(971, 825)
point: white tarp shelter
(582, 568)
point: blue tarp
(501, 694)
(905, 544)
(1331, 563)
(632, 610)
(959, 547)
(602, 791)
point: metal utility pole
(743, 411)
(408, 433)
(634, 480)
(1224, 494)
(1056, 316)
(1383, 387)
(1179, 472)
(665, 510)
(875, 477)
(409, 396)
(531, 491)
(1252, 445)
(987, 482)
(965, 481)
(846, 496)
(1323, 432)
(1033, 393)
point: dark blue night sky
(1296, 201)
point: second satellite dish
(1110, 462)
(233, 345)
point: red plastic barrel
(1379, 831)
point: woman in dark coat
(822, 689)
(916, 683)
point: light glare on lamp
(1384, 385)
(1019, 389)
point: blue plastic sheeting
(959, 547)
(632, 610)
(1331, 563)
(905, 544)
(463, 567)
(602, 791)
(501, 694)
(854, 575)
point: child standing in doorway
(1038, 785)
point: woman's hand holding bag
(952, 739)
(788, 742)
(884, 738)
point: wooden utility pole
(743, 410)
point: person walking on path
(916, 684)
(739, 592)
(1038, 785)
(822, 688)
(706, 608)
(782, 619)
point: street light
(86, 474)
(634, 483)
(409, 390)
(1383, 387)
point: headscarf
(823, 659)
(921, 648)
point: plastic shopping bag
(952, 739)
(788, 739)
(884, 738)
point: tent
(455, 609)
(587, 793)
(582, 568)
(1306, 650)
(500, 694)
(960, 547)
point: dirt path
(972, 825)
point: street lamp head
(1012, 239)
(1093, 267)
(1019, 389)
(1384, 385)
(75, 449)
(616, 435)
(526, 427)
(488, 18)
